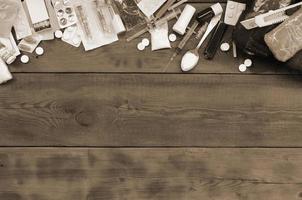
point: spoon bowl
(189, 60)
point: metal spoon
(191, 57)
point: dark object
(252, 41)
(215, 40)
(205, 15)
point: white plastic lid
(10, 60)
(24, 59)
(217, 8)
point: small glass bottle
(6, 54)
(208, 13)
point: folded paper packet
(286, 40)
(8, 13)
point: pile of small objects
(95, 23)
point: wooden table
(109, 124)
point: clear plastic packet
(10, 43)
(149, 7)
(130, 13)
(5, 75)
(286, 40)
(29, 44)
(8, 14)
(92, 34)
(22, 24)
(72, 36)
(159, 37)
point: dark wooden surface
(109, 124)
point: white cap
(39, 51)
(24, 59)
(217, 8)
(184, 19)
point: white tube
(184, 19)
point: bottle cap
(217, 8)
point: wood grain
(124, 57)
(167, 174)
(151, 110)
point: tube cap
(217, 8)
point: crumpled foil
(286, 40)
(8, 13)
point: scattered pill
(76, 40)
(242, 68)
(58, 34)
(248, 62)
(145, 42)
(172, 37)
(24, 59)
(225, 47)
(140, 46)
(39, 51)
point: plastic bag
(8, 14)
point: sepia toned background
(109, 124)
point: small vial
(140, 46)
(242, 68)
(145, 42)
(39, 51)
(24, 59)
(208, 13)
(58, 34)
(248, 62)
(172, 37)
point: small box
(38, 14)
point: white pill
(225, 47)
(76, 40)
(39, 51)
(145, 42)
(58, 34)
(242, 68)
(140, 46)
(24, 59)
(248, 62)
(172, 37)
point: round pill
(172, 37)
(225, 47)
(140, 46)
(58, 34)
(76, 40)
(39, 51)
(248, 62)
(145, 42)
(242, 68)
(24, 59)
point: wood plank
(141, 174)
(124, 57)
(151, 110)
